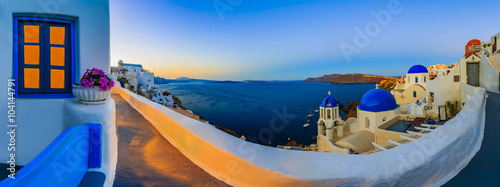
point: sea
(267, 113)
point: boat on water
(307, 123)
(310, 115)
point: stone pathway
(145, 158)
(484, 168)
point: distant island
(161, 80)
(352, 78)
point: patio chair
(408, 125)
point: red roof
(183, 112)
(469, 44)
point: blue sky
(293, 39)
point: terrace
(237, 162)
(399, 126)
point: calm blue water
(247, 108)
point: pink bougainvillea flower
(111, 83)
(96, 78)
(86, 84)
(103, 80)
(104, 87)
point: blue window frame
(44, 57)
(414, 94)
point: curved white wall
(430, 160)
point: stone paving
(145, 158)
(484, 168)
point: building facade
(47, 47)
(414, 87)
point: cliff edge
(352, 78)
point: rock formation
(351, 110)
(388, 84)
(352, 78)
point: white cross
(329, 92)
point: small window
(416, 79)
(385, 118)
(44, 57)
(414, 94)
(367, 122)
(456, 78)
(328, 114)
(425, 79)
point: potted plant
(453, 108)
(94, 87)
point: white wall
(376, 118)
(410, 79)
(489, 72)
(444, 89)
(431, 160)
(467, 92)
(41, 120)
(145, 78)
(105, 114)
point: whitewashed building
(414, 87)
(135, 74)
(355, 135)
(479, 67)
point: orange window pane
(57, 78)
(31, 78)
(32, 54)
(57, 35)
(31, 34)
(57, 56)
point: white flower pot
(90, 96)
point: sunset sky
(293, 39)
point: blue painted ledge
(65, 161)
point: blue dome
(329, 102)
(377, 100)
(418, 69)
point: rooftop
(377, 100)
(183, 112)
(418, 69)
(329, 101)
(132, 65)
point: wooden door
(442, 112)
(473, 73)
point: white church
(355, 135)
